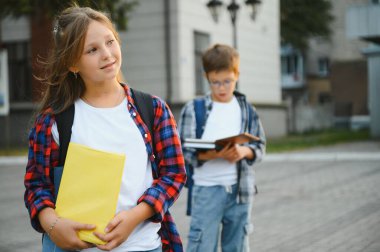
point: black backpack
(65, 119)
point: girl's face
(101, 57)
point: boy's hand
(237, 152)
(213, 154)
(231, 153)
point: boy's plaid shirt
(187, 129)
(168, 168)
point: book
(219, 143)
(89, 188)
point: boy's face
(222, 84)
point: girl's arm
(42, 156)
(39, 189)
(171, 174)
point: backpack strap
(64, 122)
(144, 105)
(249, 118)
(200, 111)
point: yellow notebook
(89, 188)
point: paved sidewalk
(317, 204)
(317, 200)
(331, 203)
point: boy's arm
(187, 129)
(259, 147)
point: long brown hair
(62, 86)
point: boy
(223, 180)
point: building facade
(363, 22)
(163, 46)
(162, 51)
(331, 77)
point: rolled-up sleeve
(256, 129)
(171, 166)
(187, 129)
(42, 156)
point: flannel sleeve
(256, 129)
(42, 156)
(187, 129)
(171, 167)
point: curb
(338, 156)
(17, 160)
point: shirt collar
(128, 94)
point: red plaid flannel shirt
(167, 168)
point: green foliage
(288, 143)
(314, 139)
(304, 19)
(13, 152)
(118, 9)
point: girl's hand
(123, 224)
(64, 234)
(117, 230)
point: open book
(219, 143)
(89, 188)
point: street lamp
(215, 7)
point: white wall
(143, 48)
(258, 45)
(15, 29)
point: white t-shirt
(113, 130)
(224, 120)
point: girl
(83, 70)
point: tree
(304, 19)
(118, 9)
(42, 12)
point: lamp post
(215, 7)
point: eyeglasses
(226, 83)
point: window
(323, 66)
(20, 74)
(289, 64)
(324, 97)
(201, 43)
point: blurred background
(310, 67)
(307, 66)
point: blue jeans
(49, 246)
(215, 206)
